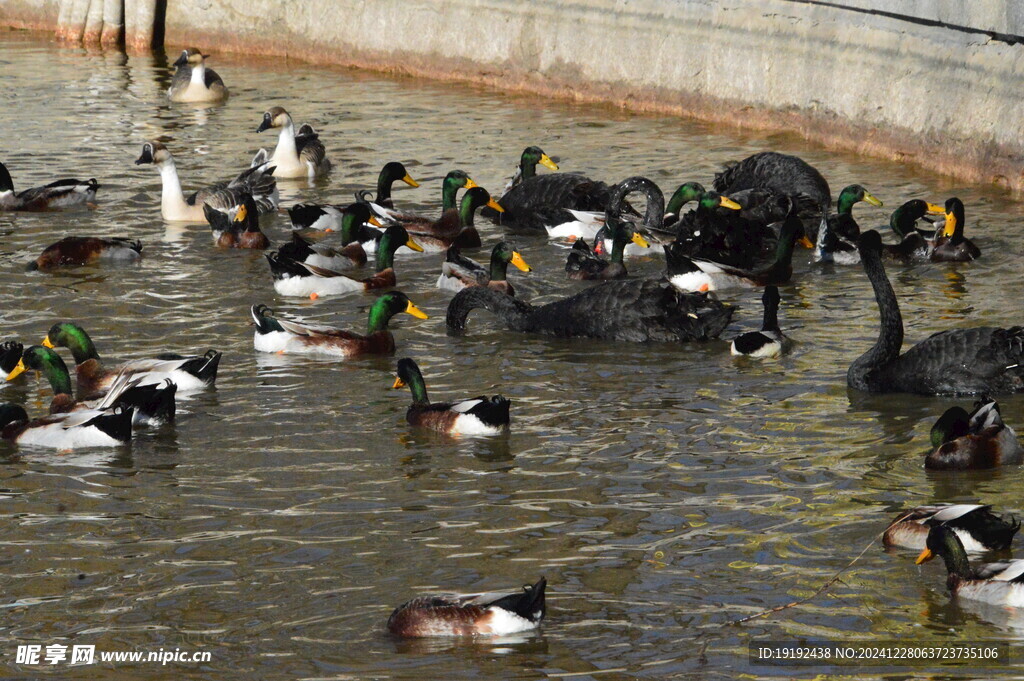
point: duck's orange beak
(546, 161)
(491, 203)
(409, 181)
(415, 311)
(18, 370)
(399, 383)
(924, 557)
(518, 261)
(47, 343)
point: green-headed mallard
(914, 245)
(837, 237)
(983, 359)
(298, 278)
(999, 583)
(951, 245)
(455, 227)
(977, 527)
(193, 82)
(973, 441)
(477, 416)
(458, 271)
(74, 251)
(450, 186)
(287, 337)
(300, 154)
(56, 195)
(392, 172)
(491, 614)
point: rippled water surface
(663, 490)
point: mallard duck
(188, 373)
(302, 250)
(87, 428)
(977, 527)
(286, 337)
(193, 82)
(837, 236)
(454, 227)
(493, 614)
(458, 271)
(634, 310)
(769, 341)
(957, 361)
(531, 157)
(951, 245)
(477, 416)
(781, 173)
(73, 251)
(914, 245)
(450, 186)
(391, 172)
(297, 278)
(584, 263)
(716, 232)
(226, 197)
(10, 355)
(241, 232)
(694, 274)
(1000, 583)
(59, 194)
(973, 441)
(153, 404)
(296, 155)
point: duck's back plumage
(493, 614)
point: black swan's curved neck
(510, 310)
(654, 216)
(890, 335)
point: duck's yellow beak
(240, 215)
(399, 383)
(640, 241)
(375, 222)
(950, 226)
(805, 242)
(935, 210)
(518, 261)
(469, 184)
(925, 556)
(409, 181)
(47, 343)
(415, 311)
(414, 246)
(17, 370)
(491, 203)
(726, 202)
(872, 200)
(546, 161)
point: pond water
(664, 490)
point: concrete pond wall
(934, 82)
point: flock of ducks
(742, 233)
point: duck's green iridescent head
(12, 413)
(394, 238)
(904, 218)
(352, 219)
(712, 200)
(954, 217)
(530, 158)
(501, 256)
(942, 541)
(387, 306)
(453, 182)
(392, 172)
(474, 198)
(409, 374)
(852, 194)
(45, 360)
(688, 191)
(954, 423)
(73, 337)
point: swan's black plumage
(637, 310)
(984, 359)
(542, 199)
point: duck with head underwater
(53, 196)
(978, 440)
(286, 337)
(80, 429)
(977, 527)
(489, 614)
(75, 251)
(10, 355)
(458, 271)
(477, 416)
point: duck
(584, 264)
(241, 232)
(977, 360)
(491, 614)
(153, 404)
(450, 186)
(838, 235)
(54, 196)
(291, 338)
(717, 232)
(193, 82)
(769, 341)
(352, 221)
(1000, 583)
(257, 181)
(477, 416)
(189, 374)
(531, 157)
(392, 172)
(458, 271)
(574, 224)
(633, 310)
(10, 355)
(74, 251)
(296, 155)
(914, 245)
(951, 245)
(80, 429)
(782, 173)
(299, 278)
(303, 250)
(978, 528)
(455, 227)
(694, 274)
(978, 440)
